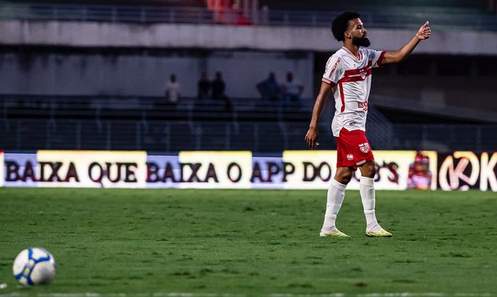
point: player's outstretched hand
(311, 138)
(424, 31)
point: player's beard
(361, 41)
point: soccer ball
(34, 266)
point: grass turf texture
(250, 242)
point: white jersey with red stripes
(351, 76)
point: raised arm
(423, 33)
(312, 134)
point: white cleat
(333, 233)
(378, 231)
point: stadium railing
(29, 123)
(149, 108)
(444, 20)
(258, 136)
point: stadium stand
(43, 123)
(449, 15)
(378, 5)
(166, 3)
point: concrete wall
(228, 37)
(144, 75)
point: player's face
(357, 29)
(358, 33)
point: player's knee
(368, 169)
(343, 176)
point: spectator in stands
(269, 88)
(218, 91)
(203, 87)
(173, 90)
(292, 90)
(264, 15)
(218, 87)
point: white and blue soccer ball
(34, 266)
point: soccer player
(348, 76)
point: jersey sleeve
(375, 57)
(333, 70)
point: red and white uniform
(352, 77)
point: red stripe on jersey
(356, 77)
(342, 96)
(358, 70)
(328, 82)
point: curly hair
(341, 22)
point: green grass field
(250, 243)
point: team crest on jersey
(350, 157)
(364, 147)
